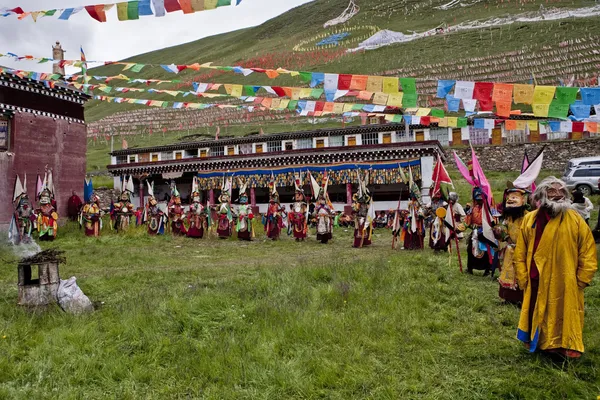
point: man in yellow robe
(555, 261)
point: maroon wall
(37, 141)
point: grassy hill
(547, 51)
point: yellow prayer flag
(395, 99)
(533, 126)
(338, 108)
(443, 122)
(521, 125)
(374, 84)
(210, 4)
(128, 65)
(305, 92)
(348, 107)
(541, 110)
(543, 94)
(237, 90)
(452, 122)
(122, 11)
(423, 112)
(296, 94)
(390, 85)
(197, 5)
(276, 103)
(380, 99)
(284, 103)
(523, 94)
(228, 88)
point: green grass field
(178, 318)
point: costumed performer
(176, 212)
(123, 210)
(74, 206)
(414, 226)
(244, 228)
(90, 216)
(273, 219)
(21, 224)
(224, 214)
(47, 217)
(479, 252)
(555, 260)
(155, 217)
(197, 215)
(362, 207)
(298, 216)
(323, 211)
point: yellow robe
(566, 261)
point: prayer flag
(464, 90)
(170, 5)
(331, 82)
(390, 85)
(186, 6)
(422, 112)
(409, 100)
(483, 91)
(409, 85)
(159, 8)
(380, 98)
(543, 94)
(469, 104)
(580, 110)
(523, 94)
(566, 95)
(144, 7)
(590, 96)
(510, 125)
(578, 127)
(374, 84)
(566, 126)
(503, 108)
(442, 184)
(344, 81)
(453, 103)
(96, 12)
(364, 95)
(316, 78)
(124, 144)
(437, 113)
(502, 92)
(558, 110)
(541, 110)
(395, 99)
(533, 126)
(461, 122)
(452, 122)
(66, 14)
(444, 87)
(358, 82)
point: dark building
(40, 126)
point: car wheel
(585, 189)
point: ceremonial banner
(523, 94)
(543, 94)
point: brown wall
(37, 141)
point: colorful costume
(323, 210)
(21, 224)
(508, 231)
(176, 213)
(449, 221)
(153, 215)
(90, 216)
(224, 214)
(297, 217)
(362, 205)
(244, 228)
(414, 226)
(439, 233)
(480, 253)
(122, 211)
(555, 260)
(273, 219)
(196, 217)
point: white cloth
(584, 208)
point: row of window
(272, 146)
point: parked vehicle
(583, 174)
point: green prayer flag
(316, 93)
(133, 10)
(435, 112)
(137, 67)
(408, 85)
(558, 110)
(292, 105)
(50, 13)
(357, 107)
(397, 118)
(306, 76)
(409, 100)
(566, 95)
(461, 122)
(249, 90)
(222, 3)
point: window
(351, 140)
(273, 146)
(587, 172)
(370, 138)
(230, 150)
(191, 153)
(439, 134)
(320, 143)
(245, 148)
(288, 146)
(387, 138)
(203, 153)
(259, 148)
(305, 143)
(336, 141)
(419, 135)
(178, 155)
(133, 158)
(121, 159)
(154, 157)
(217, 151)
(166, 155)
(3, 134)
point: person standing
(582, 205)
(555, 260)
(74, 206)
(244, 228)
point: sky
(115, 40)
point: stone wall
(508, 157)
(106, 195)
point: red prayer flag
(172, 5)
(426, 121)
(344, 81)
(483, 91)
(97, 12)
(578, 126)
(278, 90)
(319, 105)
(486, 105)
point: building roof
(59, 90)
